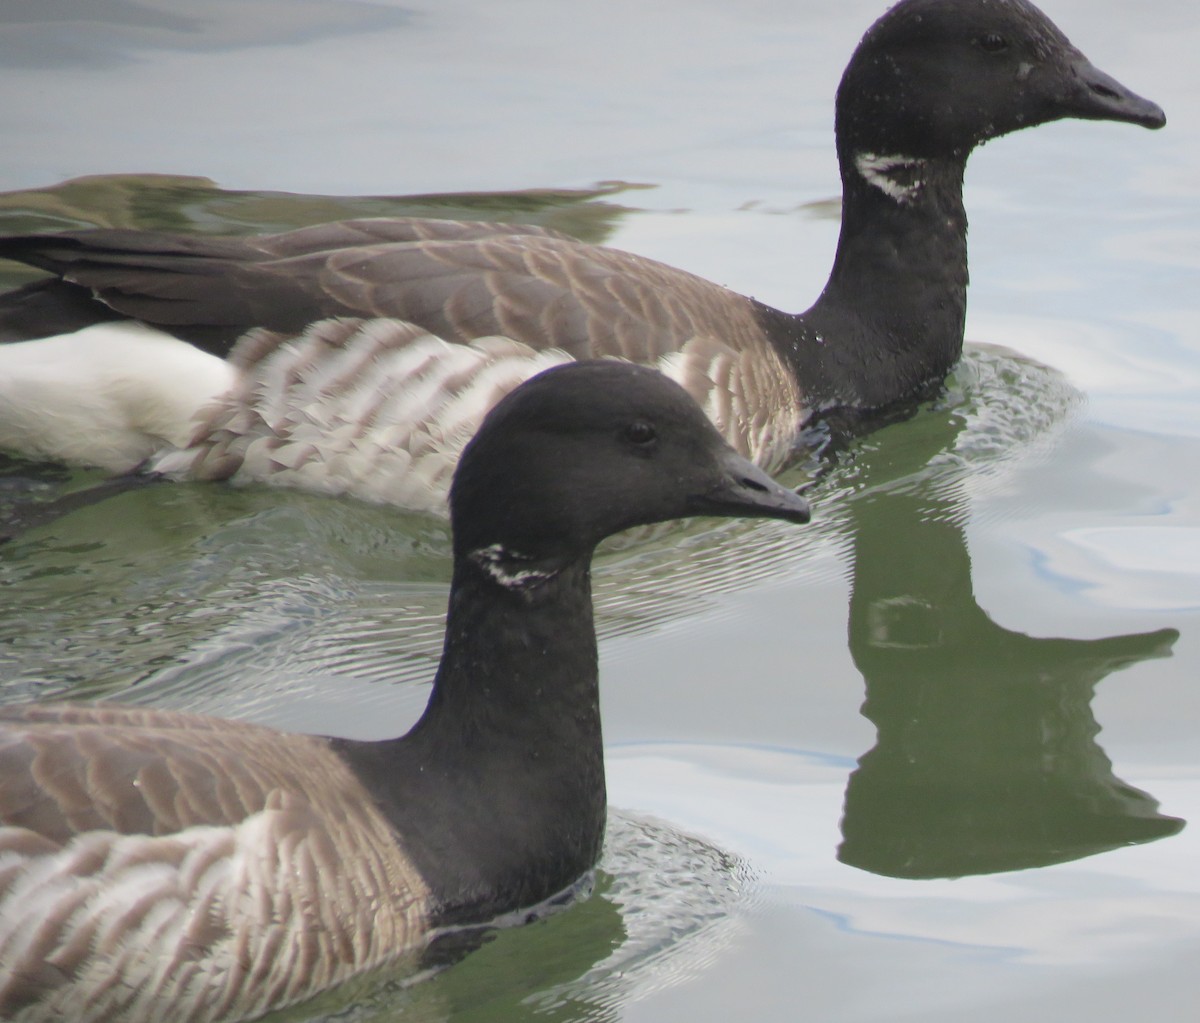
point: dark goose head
(588, 449)
(935, 78)
(930, 81)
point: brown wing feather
(345, 234)
(68, 769)
(545, 292)
(60, 251)
(461, 280)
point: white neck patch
(897, 177)
(496, 561)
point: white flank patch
(880, 171)
(110, 395)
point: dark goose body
(165, 866)
(447, 316)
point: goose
(357, 357)
(161, 865)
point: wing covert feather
(66, 770)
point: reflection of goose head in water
(986, 758)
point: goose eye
(993, 42)
(641, 434)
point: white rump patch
(898, 177)
(110, 395)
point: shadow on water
(35, 494)
(986, 758)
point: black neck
(892, 315)
(498, 791)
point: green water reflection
(986, 757)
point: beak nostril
(1104, 90)
(753, 485)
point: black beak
(743, 489)
(1091, 94)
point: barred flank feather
(253, 872)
